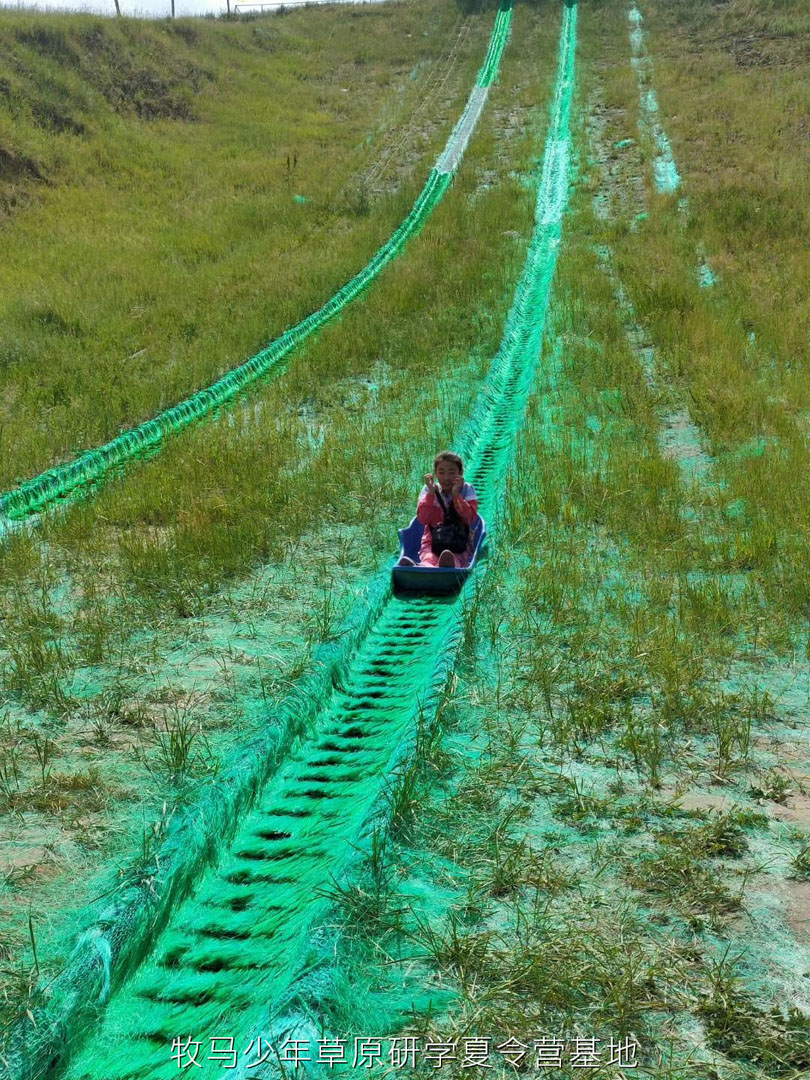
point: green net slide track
(238, 940)
(92, 466)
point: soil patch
(15, 167)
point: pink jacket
(429, 512)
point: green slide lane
(232, 949)
(42, 491)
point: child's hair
(448, 455)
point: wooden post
(117, 9)
(172, 8)
(228, 2)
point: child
(448, 511)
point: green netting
(238, 944)
(489, 437)
(232, 950)
(43, 490)
(493, 58)
(122, 929)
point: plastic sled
(433, 579)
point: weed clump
(776, 1039)
(677, 869)
(722, 836)
(15, 167)
(800, 864)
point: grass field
(603, 831)
(145, 630)
(606, 837)
(192, 189)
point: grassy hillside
(174, 195)
(606, 834)
(740, 350)
(146, 633)
(603, 833)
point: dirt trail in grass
(620, 198)
(665, 171)
(769, 953)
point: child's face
(447, 472)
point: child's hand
(457, 486)
(430, 482)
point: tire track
(665, 171)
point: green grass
(153, 240)
(604, 852)
(156, 626)
(736, 352)
(600, 836)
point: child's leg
(426, 556)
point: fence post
(117, 9)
